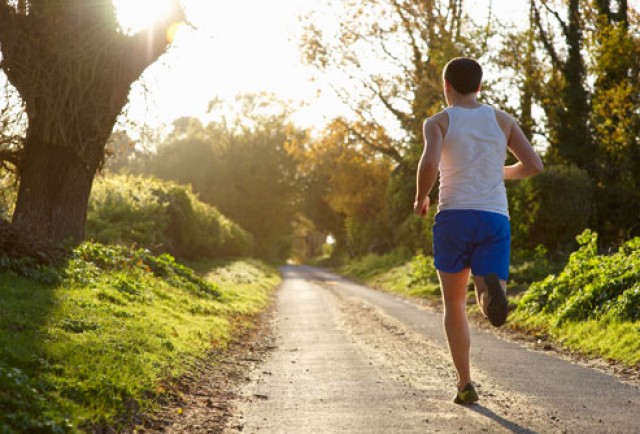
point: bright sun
(136, 15)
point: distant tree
(239, 164)
(73, 68)
(348, 179)
(410, 40)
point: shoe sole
(459, 401)
(471, 397)
(497, 307)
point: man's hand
(421, 209)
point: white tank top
(472, 162)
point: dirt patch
(204, 398)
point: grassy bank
(592, 305)
(589, 304)
(90, 343)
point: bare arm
(529, 162)
(428, 166)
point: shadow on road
(507, 424)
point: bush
(368, 265)
(126, 210)
(415, 232)
(551, 208)
(423, 270)
(163, 217)
(591, 286)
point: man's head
(463, 74)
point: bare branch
(561, 22)
(417, 52)
(546, 41)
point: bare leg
(481, 292)
(454, 294)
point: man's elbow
(538, 167)
(533, 167)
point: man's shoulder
(505, 121)
(503, 116)
(441, 119)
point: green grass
(613, 340)
(96, 345)
(393, 272)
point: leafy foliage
(90, 260)
(423, 270)
(238, 164)
(348, 179)
(161, 216)
(591, 286)
(552, 208)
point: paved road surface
(349, 359)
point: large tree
(73, 68)
(615, 118)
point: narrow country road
(349, 359)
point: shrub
(163, 217)
(415, 232)
(551, 208)
(126, 210)
(423, 270)
(372, 263)
(591, 286)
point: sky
(246, 46)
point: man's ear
(479, 88)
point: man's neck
(467, 101)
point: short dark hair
(464, 74)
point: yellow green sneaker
(466, 396)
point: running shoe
(466, 396)
(497, 306)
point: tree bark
(55, 184)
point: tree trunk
(54, 192)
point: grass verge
(89, 345)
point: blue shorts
(479, 240)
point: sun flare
(137, 15)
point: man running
(467, 144)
